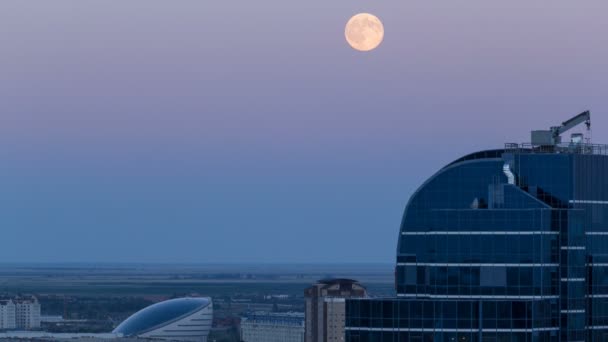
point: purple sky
(229, 131)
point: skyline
(209, 132)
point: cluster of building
(499, 245)
(323, 320)
(181, 319)
(20, 314)
(190, 319)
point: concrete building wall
(335, 312)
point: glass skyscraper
(500, 245)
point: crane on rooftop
(552, 136)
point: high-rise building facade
(325, 308)
(501, 245)
(273, 327)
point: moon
(364, 32)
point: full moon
(364, 32)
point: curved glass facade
(160, 314)
(501, 245)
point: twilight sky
(231, 131)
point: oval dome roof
(160, 314)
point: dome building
(181, 319)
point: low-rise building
(273, 327)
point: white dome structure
(181, 319)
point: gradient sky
(231, 131)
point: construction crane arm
(571, 123)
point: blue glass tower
(501, 245)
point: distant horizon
(126, 263)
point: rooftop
(342, 281)
(562, 148)
(161, 314)
(284, 318)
